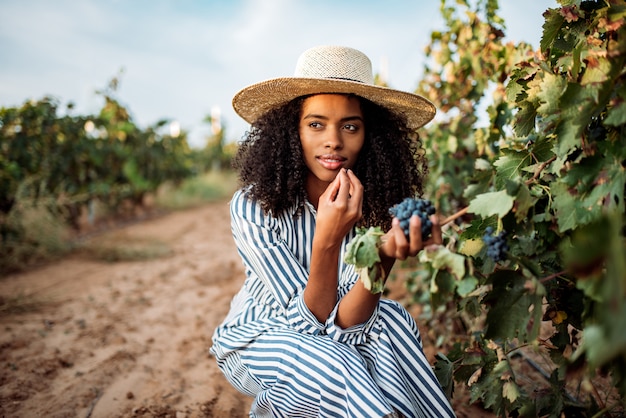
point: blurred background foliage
(72, 169)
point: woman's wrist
(386, 263)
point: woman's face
(332, 132)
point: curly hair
(391, 165)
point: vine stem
(552, 276)
(463, 211)
(455, 216)
(539, 169)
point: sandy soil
(100, 339)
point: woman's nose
(333, 139)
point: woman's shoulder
(244, 204)
(244, 198)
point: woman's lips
(331, 162)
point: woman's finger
(356, 188)
(415, 235)
(343, 193)
(332, 190)
(437, 236)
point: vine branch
(539, 169)
(455, 216)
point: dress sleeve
(276, 277)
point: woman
(327, 151)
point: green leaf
(597, 71)
(588, 246)
(442, 258)
(582, 176)
(616, 115)
(524, 202)
(525, 119)
(510, 391)
(466, 286)
(600, 346)
(511, 164)
(444, 369)
(551, 28)
(551, 89)
(362, 250)
(492, 203)
(512, 305)
(570, 212)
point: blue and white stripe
(272, 347)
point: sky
(181, 59)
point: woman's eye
(315, 125)
(351, 128)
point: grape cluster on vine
(496, 244)
(410, 207)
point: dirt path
(127, 338)
(131, 339)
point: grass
(31, 235)
(197, 191)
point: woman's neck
(314, 189)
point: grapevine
(546, 164)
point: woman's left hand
(397, 246)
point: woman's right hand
(339, 207)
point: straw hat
(330, 69)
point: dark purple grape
(409, 207)
(496, 244)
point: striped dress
(270, 346)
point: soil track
(128, 338)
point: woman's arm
(339, 207)
(359, 303)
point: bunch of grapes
(496, 244)
(409, 207)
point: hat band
(346, 79)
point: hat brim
(257, 99)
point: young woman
(327, 151)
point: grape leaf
(362, 252)
(511, 391)
(492, 203)
(598, 70)
(525, 119)
(616, 115)
(510, 165)
(523, 203)
(466, 286)
(444, 369)
(551, 28)
(551, 88)
(513, 307)
(442, 258)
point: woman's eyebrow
(344, 119)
